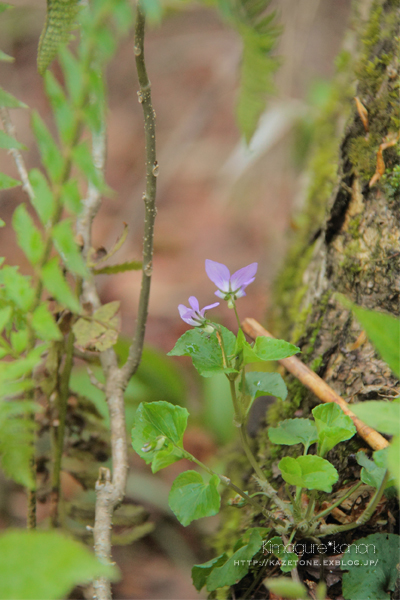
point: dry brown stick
(317, 385)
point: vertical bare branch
(149, 197)
(109, 490)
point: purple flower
(230, 287)
(194, 316)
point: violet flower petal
(203, 310)
(243, 277)
(194, 316)
(194, 303)
(219, 274)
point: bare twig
(109, 490)
(15, 153)
(317, 385)
(94, 381)
(144, 96)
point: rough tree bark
(347, 241)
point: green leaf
(45, 565)
(372, 473)
(60, 20)
(382, 329)
(157, 435)
(71, 197)
(9, 101)
(205, 350)
(64, 241)
(4, 6)
(7, 182)
(123, 16)
(333, 426)
(55, 283)
(43, 200)
(6, 57)
(270, 384)
(49, 152)
(200, 573)
(371, 563)
(73, 73)
(44, 324)
(63, 112)
(18, 288)
(288, 560)
(236, 567)
(29, 237)
(100, 331)
(153, 10)
(286, 587)
(20, 366)
(264, 348)
(256, 83)
(8, 142)
(82, 157)
(17, 428)
(271, 349)
(19, 340)
(379, 414)
(294, 431)
(133, 265)
(393, 460)
(311, 472)
(191, 498)
(5, 316)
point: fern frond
(259, 33)
(16, 440)
(60, 20)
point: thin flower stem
(236, 407)
(338, 502)
(310, 506)
(362, 519)
(249, 454)
(263, 482)
(144, 95)
(236, 313)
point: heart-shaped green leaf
(311, 472)
(333, 426)
(157, 435)
(294, 431)
(380, 414)
(268, 384)
(191, 498)
(205, 350)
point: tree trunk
(347, 241)
(349, 234)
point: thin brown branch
(317, 385)
(144, 96)
(110, 490)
